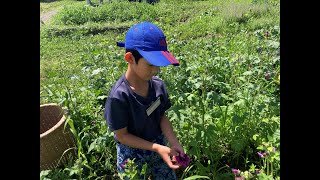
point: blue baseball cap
(149, 40)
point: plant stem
(203, 101)
(271, 165)
(267, 162)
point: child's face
(145, 70)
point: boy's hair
(135, 54)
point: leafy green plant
(225, 94)
(132, 172)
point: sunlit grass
(221, 97)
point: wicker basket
(56, 142)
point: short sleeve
(116, 114)
(166, 104)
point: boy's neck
(137, 84)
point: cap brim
(159, 58)
(121, 44)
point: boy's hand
(178, 148)
(165, 153)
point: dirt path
(47, 16)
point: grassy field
(225, 94)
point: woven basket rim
(49, 104)
(62, 120)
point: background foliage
(225, 93)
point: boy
(136, 105)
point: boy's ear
(129, 58)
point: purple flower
(265, 154)
(274, 149)
(235, 171)
(183, 160)
(258, 172)
(259, 153)
(123, 164)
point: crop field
(225, 94)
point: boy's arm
(167, 130)
(124, 137)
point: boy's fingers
(172, 166)
(169, 163)
(174, 159)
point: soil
(47, 16)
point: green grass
(221, 97)
(46, 7)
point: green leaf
(242, 78)
(196, 177)
(240, 103)
(270, 149)
(224, 96)
(260, 147)
(255, 137)
(92, 145)
(236, 118)
(247, 73)
(273, 44)
(101, 97)
(190, 97)
(44, 173)
(252, 167)
(197, 85)
(257, 61)
(276, 134)
(207, 116)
